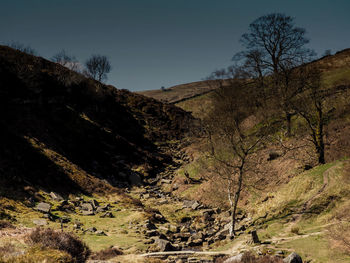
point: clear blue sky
(154, 43)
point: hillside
(335, 69)
(64, 134)
(62, 131)
(179, 93)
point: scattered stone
(100, 233)
(255, 237)
(149, 241)
(88, 213)
(30, 202)
(192, 242)
(234, 259)
(43, 207)
(107, 214)
(293, 258)
(145, 196)
(165, 181)
(152, 233)
(56, 196)
(77, 225)
(87, 207)
(195, 205)
(173, 228)
(94, 204)
(150, 226)
(40, 222)
(163, 245)
(91, 229)
(189, 203)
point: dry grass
(5, 224)
(62, 241)
(106, 254)
(250, 258)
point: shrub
(106, 254)
(66, 242)
(295, 230)
(5, 224)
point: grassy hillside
(335, 72)
(179, 93)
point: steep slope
(61, 130)
(179, 93)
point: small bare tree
(97, 67)
(230, 142)
(315, 104)
(26, 49)
(66, 60)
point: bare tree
(97, 67)
(26, 49)
(274, 46)
(66, 60)
(230, 142)
(315, 104)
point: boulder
(151, 233)
(192, 242)
(40, 222)
(293, 258)
(221, 235)
(174, 228)
(255, 238)
(94, 203)
(100, 233)
(43, 207)
(195, 205)
(189, 203)
(235, 259)
(56, 196)
(88, 213)
(91, 229)
(87, 207)
(163, 245)
(107, 214)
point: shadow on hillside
(23, 165)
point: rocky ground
(162, 225)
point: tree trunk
(235, 203)
(319, 137)
(289, 124)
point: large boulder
(56, 196)
(293, 258)
(87, 207)
(94, 204)
(235, 259)
(163, 245)
(43, 207)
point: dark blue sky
(154, 43)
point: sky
(155, 43)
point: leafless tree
(230, 143)
(315, 104)
(274, 46)
(19, 46)
(66, 60)
(97, 67)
